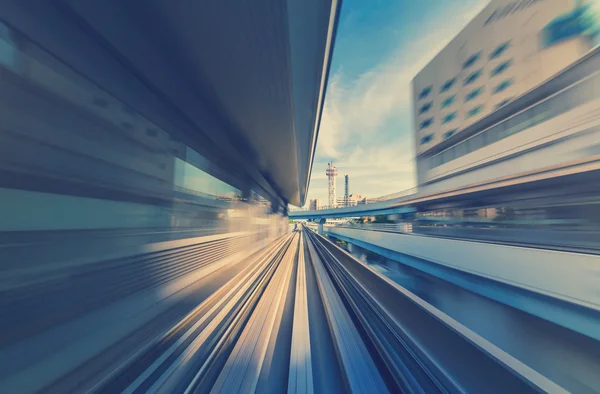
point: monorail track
(303, 316)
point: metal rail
(300, 372)
(412, 371)
(438, 346)
(361, 372)
(150, 369)
(243, 367)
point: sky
(366, 128)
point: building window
(499, 69)
(474, 111)
(503, 103)
(450, 133)
(471, 60)
(449, 117)
(500, 49)
(473, 93)
(473, 77)
(448, 155)
(448, 101)
(426, 123)
(425, 107)
(561, 103)
(578, 22)
(503, 85)
(425, 92)
(426, 139)
(447, 85)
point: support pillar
(320, 228)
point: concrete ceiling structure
(242, 81)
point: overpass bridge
(148, 155)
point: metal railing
(391, 227)
(392, 196)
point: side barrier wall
(560, 287)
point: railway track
(262, 331)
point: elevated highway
(568, 182)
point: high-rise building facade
(352, 200)
(510, 57)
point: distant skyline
(366, 127)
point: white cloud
(355, 129)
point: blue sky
(366, 127)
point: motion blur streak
(148, 154)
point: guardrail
(367, 201)
(392, 227)
(392, 196)
(554, 235)
(419, 345)
(530, 279)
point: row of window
(468, 97)
(559, 104)
(469, 79)
(497, 52)
(500, 49)
(451, 116)
(447, 119)
(429, 137)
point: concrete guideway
(428, 342)
(529, 279)
(255, 333)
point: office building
(315, 204)
(352, 200)
(513, 80)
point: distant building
(352, 200)
(342, 202)
(315, 204)
(496, 89)
(358, 198)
